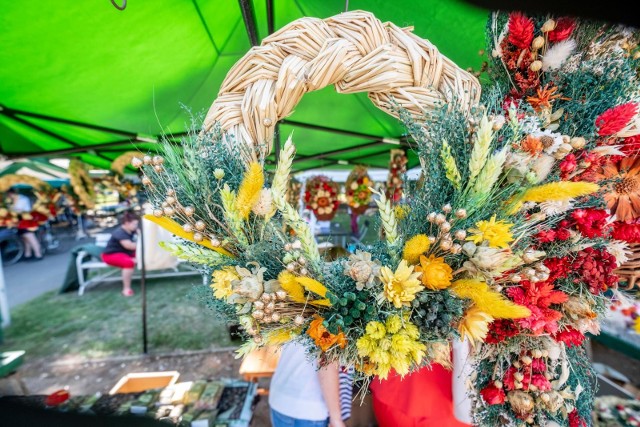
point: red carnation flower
(559, 268)
(575, 420)
(590, 222)
(520, 30)
(546, 236)
(568, 166)
(500, 330)
(563, 30)
(629, 233)
(569, 336)
(538, 365)
(493, 395)
(563, 234)
(541, 382)
(615, 119)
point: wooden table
(260, 363)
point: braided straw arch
(354, 51)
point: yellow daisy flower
(497, 233)
(415, 247)
(436, 274)
(222, 280)
(401, 287)
(475, 325)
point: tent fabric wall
(85, 79)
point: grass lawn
(102, 322)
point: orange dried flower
(544, 97)
(532, 145)
(322, 337)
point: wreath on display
(294, 191)
(82, 184)
(395, 178)
(499, 247)
(321, 197)
(358, 190)
(42, 210)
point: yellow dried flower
(416, 246)
(436, 274)
(222, 280)
(475, 325)
(496, 233)
(249, 191)
(401, 287)
(489, 301)
(393, 324)
(375, 330)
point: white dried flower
(218, 173)
(620, 250)
(263, 205)
(557, 54)
(361, 268)
(556, 207)
(551, 140)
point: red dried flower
(508, 379)
(631, 146)
(575, 420)
(500, 330)
(595, 268)
(569, 336)
(546, 236)
(541, 382)
(493, 395)
(568, 165)
(559, 268)
(629, 233)
(520, 30)
(538, 365)
(538, 297)
(591, 222)
(563, 30)
(615, 119)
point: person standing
(121, 250)
(22, 205)
(303, 395)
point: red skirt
(119, 259)
(423, 398)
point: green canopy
(86, 79)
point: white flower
(362, 269)
(620, 250)
(218, 173)
(551, 140)
(556, 207)
(558, 54)
(264, 203)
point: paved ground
(26, 280)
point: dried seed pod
(169, 211)
(157, 213)
(271, 306)
(548, 26)
(446, 208)
(158, 160)
(147, 160)
(266, 297)
(158, 168)
(188, 228)
(298, 320)
(461, 213)
(257, 314)
(445, 226)
(136, 162)
(460, 234)
(440, 219)
(259, 305)
(145, 180)
(303, 271)
(281, 295)
(215, 242)
(200, 225)
(198, 237)
(171, 200)
(431, 217)
(445, 245)
(535, 66)
(189, 210)
(538, 43)
(171, 192)
(275, 317)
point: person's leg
(27, 246)
(35, 244)
(127, 274)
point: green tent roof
(85, 79)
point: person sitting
(121, 250)
(22, 205)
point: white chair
(101, 272)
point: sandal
(128, 293)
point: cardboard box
(143, 381)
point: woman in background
(121, 250)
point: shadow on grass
(104, 323)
